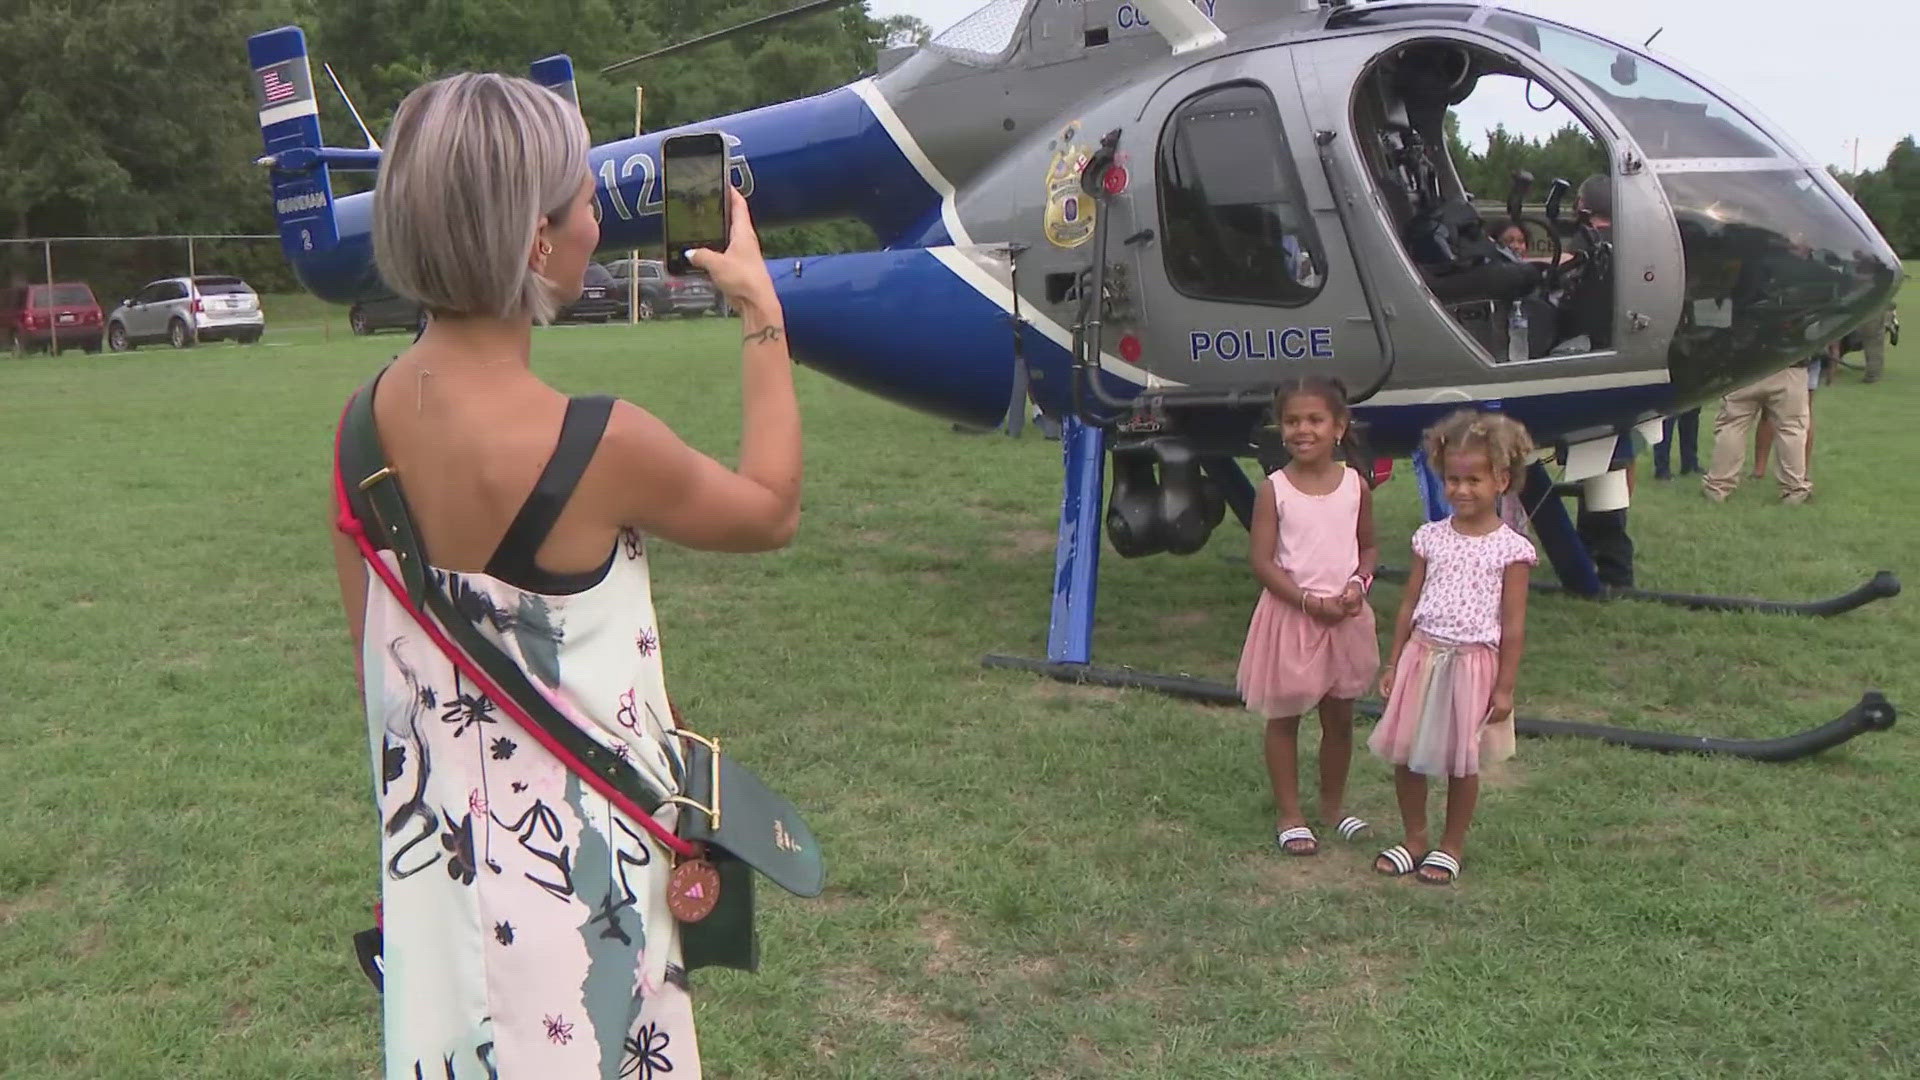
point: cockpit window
(1668, 114)
(1236, 225)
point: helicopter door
(1429, 120)
(1252, 282)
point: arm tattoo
(763, 335)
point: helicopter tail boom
(843, 153)
(303, 205)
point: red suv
(34, 317)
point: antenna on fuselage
(721, 35)
(372, 144)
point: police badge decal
(1069, 215)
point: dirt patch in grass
(1038, 969)
(1509, 775)
(863, 992)
(1048, 690)
(1020, 544)
(1334, 868)
(1162, 830)
(1366, 977)
(1185, 620)
(43, 898)
(949, 953)
(90, 942)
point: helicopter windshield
(1775, 270)
(1668, 115)
(1776, 267)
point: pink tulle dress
(1434, 722)
(1291, 660)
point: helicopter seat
(1460, 263)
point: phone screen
(694, 168)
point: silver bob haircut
(471, 164)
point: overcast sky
(1827, 72)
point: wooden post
(53, 323)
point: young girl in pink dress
(1457, 641)
(1311, 640)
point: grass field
(1026, 879)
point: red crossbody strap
(347, 523)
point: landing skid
(1873, 712)
(1574, 565)
(1880, 586)
(1076, 574)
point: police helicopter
(1143, 216)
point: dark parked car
(601, 298)
(665, 294)
(386, 313)
(36, 317)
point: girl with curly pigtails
(1457, 641)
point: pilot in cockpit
(1595, 199)
(1587, 307)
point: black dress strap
(513, 561)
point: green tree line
(130, 118)
(1891, 196)
(1568, 154)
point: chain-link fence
(49, 288)
(46, 284)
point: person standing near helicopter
(526, 924)
(1588, 308)
(1311, 642)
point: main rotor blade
(740, 28)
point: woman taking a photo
(525, 922)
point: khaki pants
(1783, 398)
(1873, 342)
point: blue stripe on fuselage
(900, 325)
(1395, 430)
(821, 157)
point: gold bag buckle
(713, 772)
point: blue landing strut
(1076, 551)
(1076, 574)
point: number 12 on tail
(696, 210)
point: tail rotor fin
(290, 133)
(556, 74)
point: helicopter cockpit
(1775, 259)
(1483, 254)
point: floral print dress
(526, 931)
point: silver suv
(185, 310)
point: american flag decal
(276, 87)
